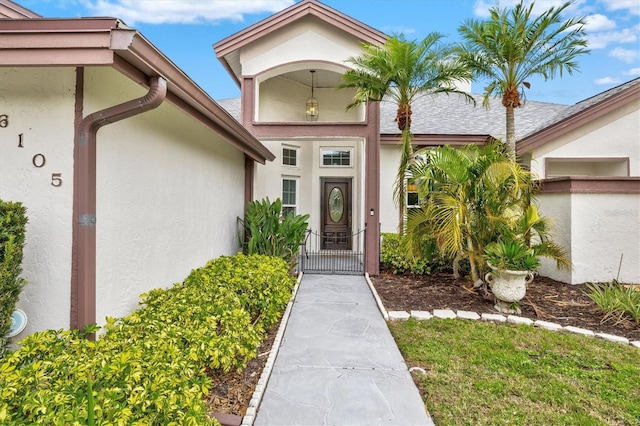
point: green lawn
(481, 373)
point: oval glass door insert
(336, 204)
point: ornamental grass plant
(618, 301)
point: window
(289, 156)
(336, 157)
(289, 196)
(413, 199)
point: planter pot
(509, 287)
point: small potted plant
(512, 265)
(516, 256)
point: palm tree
(471, 196)
(512, 46)
(403, 71)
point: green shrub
(13, 222)
(394, 257)
(267, 231)
(616, 300)
(149, 367)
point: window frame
(412, 188)
(296, 150)
(294, 206)
(326, 149)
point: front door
(336, 213)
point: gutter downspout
(84, 224)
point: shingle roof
(451, 114)
(442, 114)
(232, 105)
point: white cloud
(606, 80)
(598, 22)
(632, 71)
(601, 40)
(629, 6)
(183, 11)
(625, 55)
(481, 8)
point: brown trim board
(591, 185)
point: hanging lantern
(312, 108)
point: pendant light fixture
(313, 109)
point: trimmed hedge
(13, 223)
(150, 367)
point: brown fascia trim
(84, 215)
(107, 41)
(291, 14)
(56, 42)
(578, 119)
(15, 11)
(302, 129)
(591, 185)
(437, 139)
(188, 96)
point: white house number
(38, 160)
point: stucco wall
(557, 208)
(168, 194)
(389, 212)
(39, 104)
(600, 230)
(605, 227)
(616, 134)
(303, 40)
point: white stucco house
(177, 174)
(131, 174)
(588, 154)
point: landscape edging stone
(445, 313)
(258, 393)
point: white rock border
(473, 316)
(258, 393)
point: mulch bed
(231, 392)
(546, 299)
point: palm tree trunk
(511, 131)
(472, 255)
(456, 265)
(400, 185)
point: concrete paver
(338, 363)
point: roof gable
(582, 112)
(9, 9)
(227, 50)
(108, 42)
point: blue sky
(185, 30)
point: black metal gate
(314, 259)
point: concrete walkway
(338, 363)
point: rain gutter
(84, 224)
